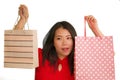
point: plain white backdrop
(43, 14)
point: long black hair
(49, 52)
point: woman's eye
(58, 38)
(69, 37)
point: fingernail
(85, 17)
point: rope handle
(17, 22)
(84, 27)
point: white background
(44, 13)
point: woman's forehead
(62, 31)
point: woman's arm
(23, 13)
(92, 22)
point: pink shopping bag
(94, 58)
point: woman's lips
(65, 49)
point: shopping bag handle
(84, 27)
(17, 22)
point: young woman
(56, 59)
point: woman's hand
(92, 22)
(23, 13)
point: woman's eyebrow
(69, 35)
(57, 35)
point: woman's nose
(64, 41)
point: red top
(47, 72)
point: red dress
(47, 72)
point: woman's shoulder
(40, 54)
(40, 50)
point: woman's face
(63, 42)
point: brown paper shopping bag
(20, 49)
(94, 58)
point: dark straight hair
(49, 52)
